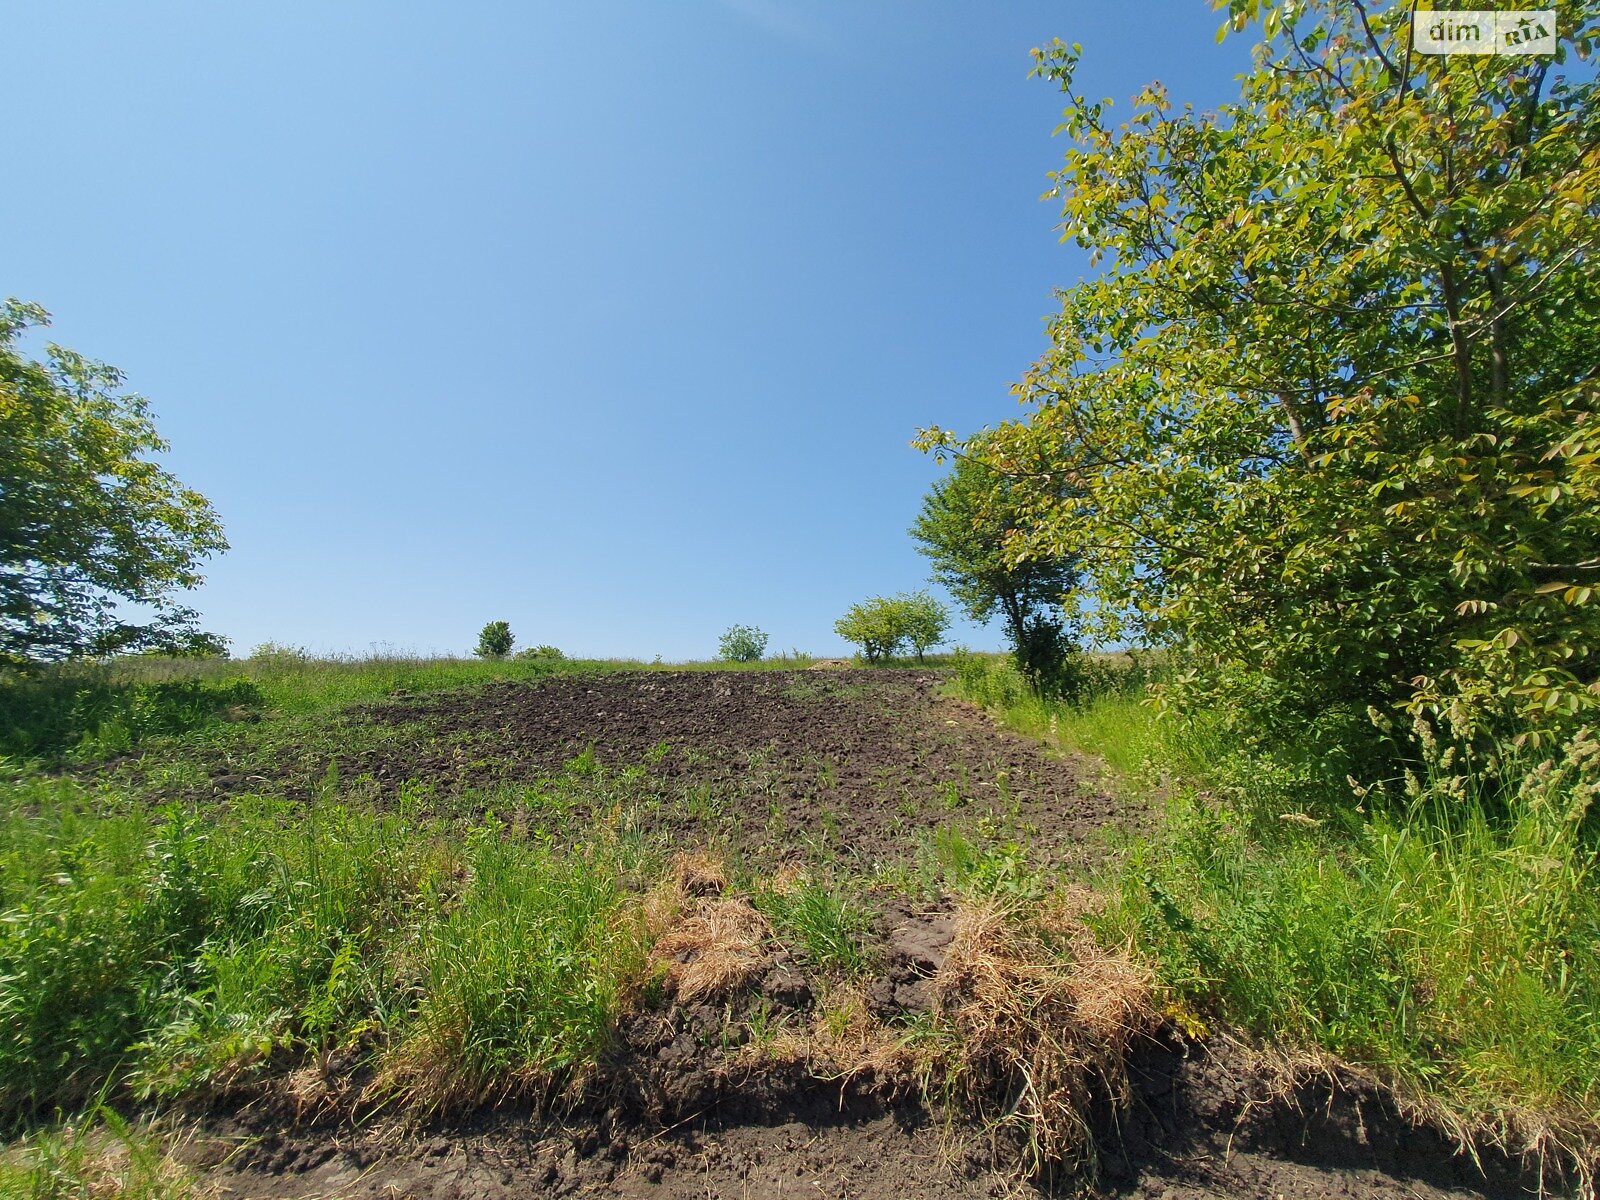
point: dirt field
(766, 763)
(852, 767)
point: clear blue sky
(612, 320)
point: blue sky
(611, 320)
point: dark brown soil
(1201, 1127)
(772, 764)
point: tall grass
(826, 926)
(1441, 931)
(173, 949)
(98, 1156)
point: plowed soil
(859, 762)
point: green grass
(1443, 934)
(100, 1156)
(829, 928)
(181, 948)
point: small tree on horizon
(742, 643)
(874, 626)
(926, 620)
(495, 640)
(884, 625)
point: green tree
(973, 529)
(495, 640)
(1329, 411)
(924, 619)
(884, 625)
(95, 538)
(742, 643)
(876, 625)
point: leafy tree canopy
(925, 621)
(973, 531)
(1329, 411)
(495, 640)
(95, 538)
(884, 625)
(742, 643)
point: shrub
(1048, 657)
(495, 640)
(276, 654)
(742, 643)
(541, 654)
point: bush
(742, 643)
(1048, 657)
(495, 640)
(541, 654)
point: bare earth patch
(860, 760)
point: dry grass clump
(849, 1041)
(716, 944)
(1037, 1021)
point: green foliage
(1449, 944)
(874, 626)
(90, 523)
(1443, 938)
(541, 654)
(87, 712)
(924, 619)
(884, 625)
(1328, 414)
(494, 640)
(521, 977)
(97, 1155)
(742, 643)
(830, 929)
(972, 526)
(1048, 656)
(172, 950)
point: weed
(581, 764)
(97, 1154)
(829, 929)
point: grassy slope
(1446, 938)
